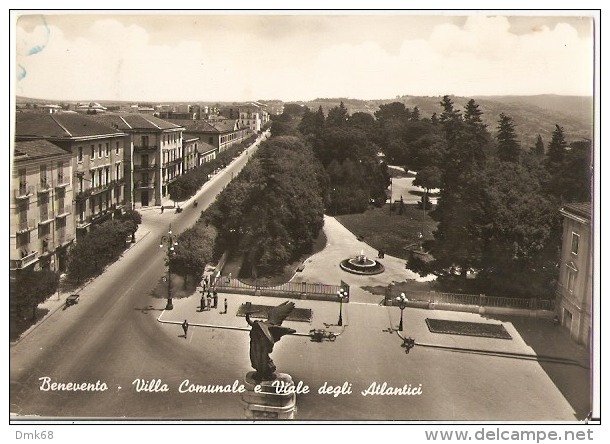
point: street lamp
(341, 294)
(169, 241)
(402, 304)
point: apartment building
(220, 134)
(190, 144)
(575, 286)
(97, 154)
(154, 152)
(41, 216)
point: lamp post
(402, 304)
(341, 294)
(169, 241)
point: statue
(263, 335)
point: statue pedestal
(268, 403)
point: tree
(337, 116)
(194, 251)
(539, 148)
(509, 149)
(33, 287)
(557, 147)
(391, 111)
(415, 115)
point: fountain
(361, 265)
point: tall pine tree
(509, 149)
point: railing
(144, 148)
(43, 187)
(46, 216)
(148, 166)
(62, 181)
(63, 211)
(83, 221)
(297, 289)
(26, 225)
(480, 300)
(140, 184)
(24, 261)
(46, 247)
(24, 191)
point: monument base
(266, 402)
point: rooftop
(37, 149)
(60, 126)
(582, 209)
(134, 121)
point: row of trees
(345, 146)
(498, 212)
(101, 246)
(273, 211)
(189, 183)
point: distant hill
(532, 115)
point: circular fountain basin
(362, 265)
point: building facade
(189, 150)
(41, 217)
(575, 287)
(220, 134)
(97, 153)
(155, 154)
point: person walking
(226, 306)
(185, 327)
(215, 298)
(162, 209)
(202, 303)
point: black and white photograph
(305, 217)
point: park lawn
(389, 231)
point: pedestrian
(162, 209)
(226, 306)
(202, 303)
(185, 327)
(209, 301)
(205, 280)
(215, 298)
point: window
(60, 172)
(107, 149)
(117, 148)
(99, 150)
(117, 171)
(570, 278)
(575, 239)
(80, 153)
(144, 141)
(43, 175)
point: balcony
(62, 182)
(43, 187)
(144, 148)
(46, 217)
(46, 247)
(24, 191)
(26, 225)
(63, 211)
(26, 260)
(145, 167)
(141, 184)
(83, 222)
(176, 161)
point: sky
(289, 56)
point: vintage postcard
(305, 217)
